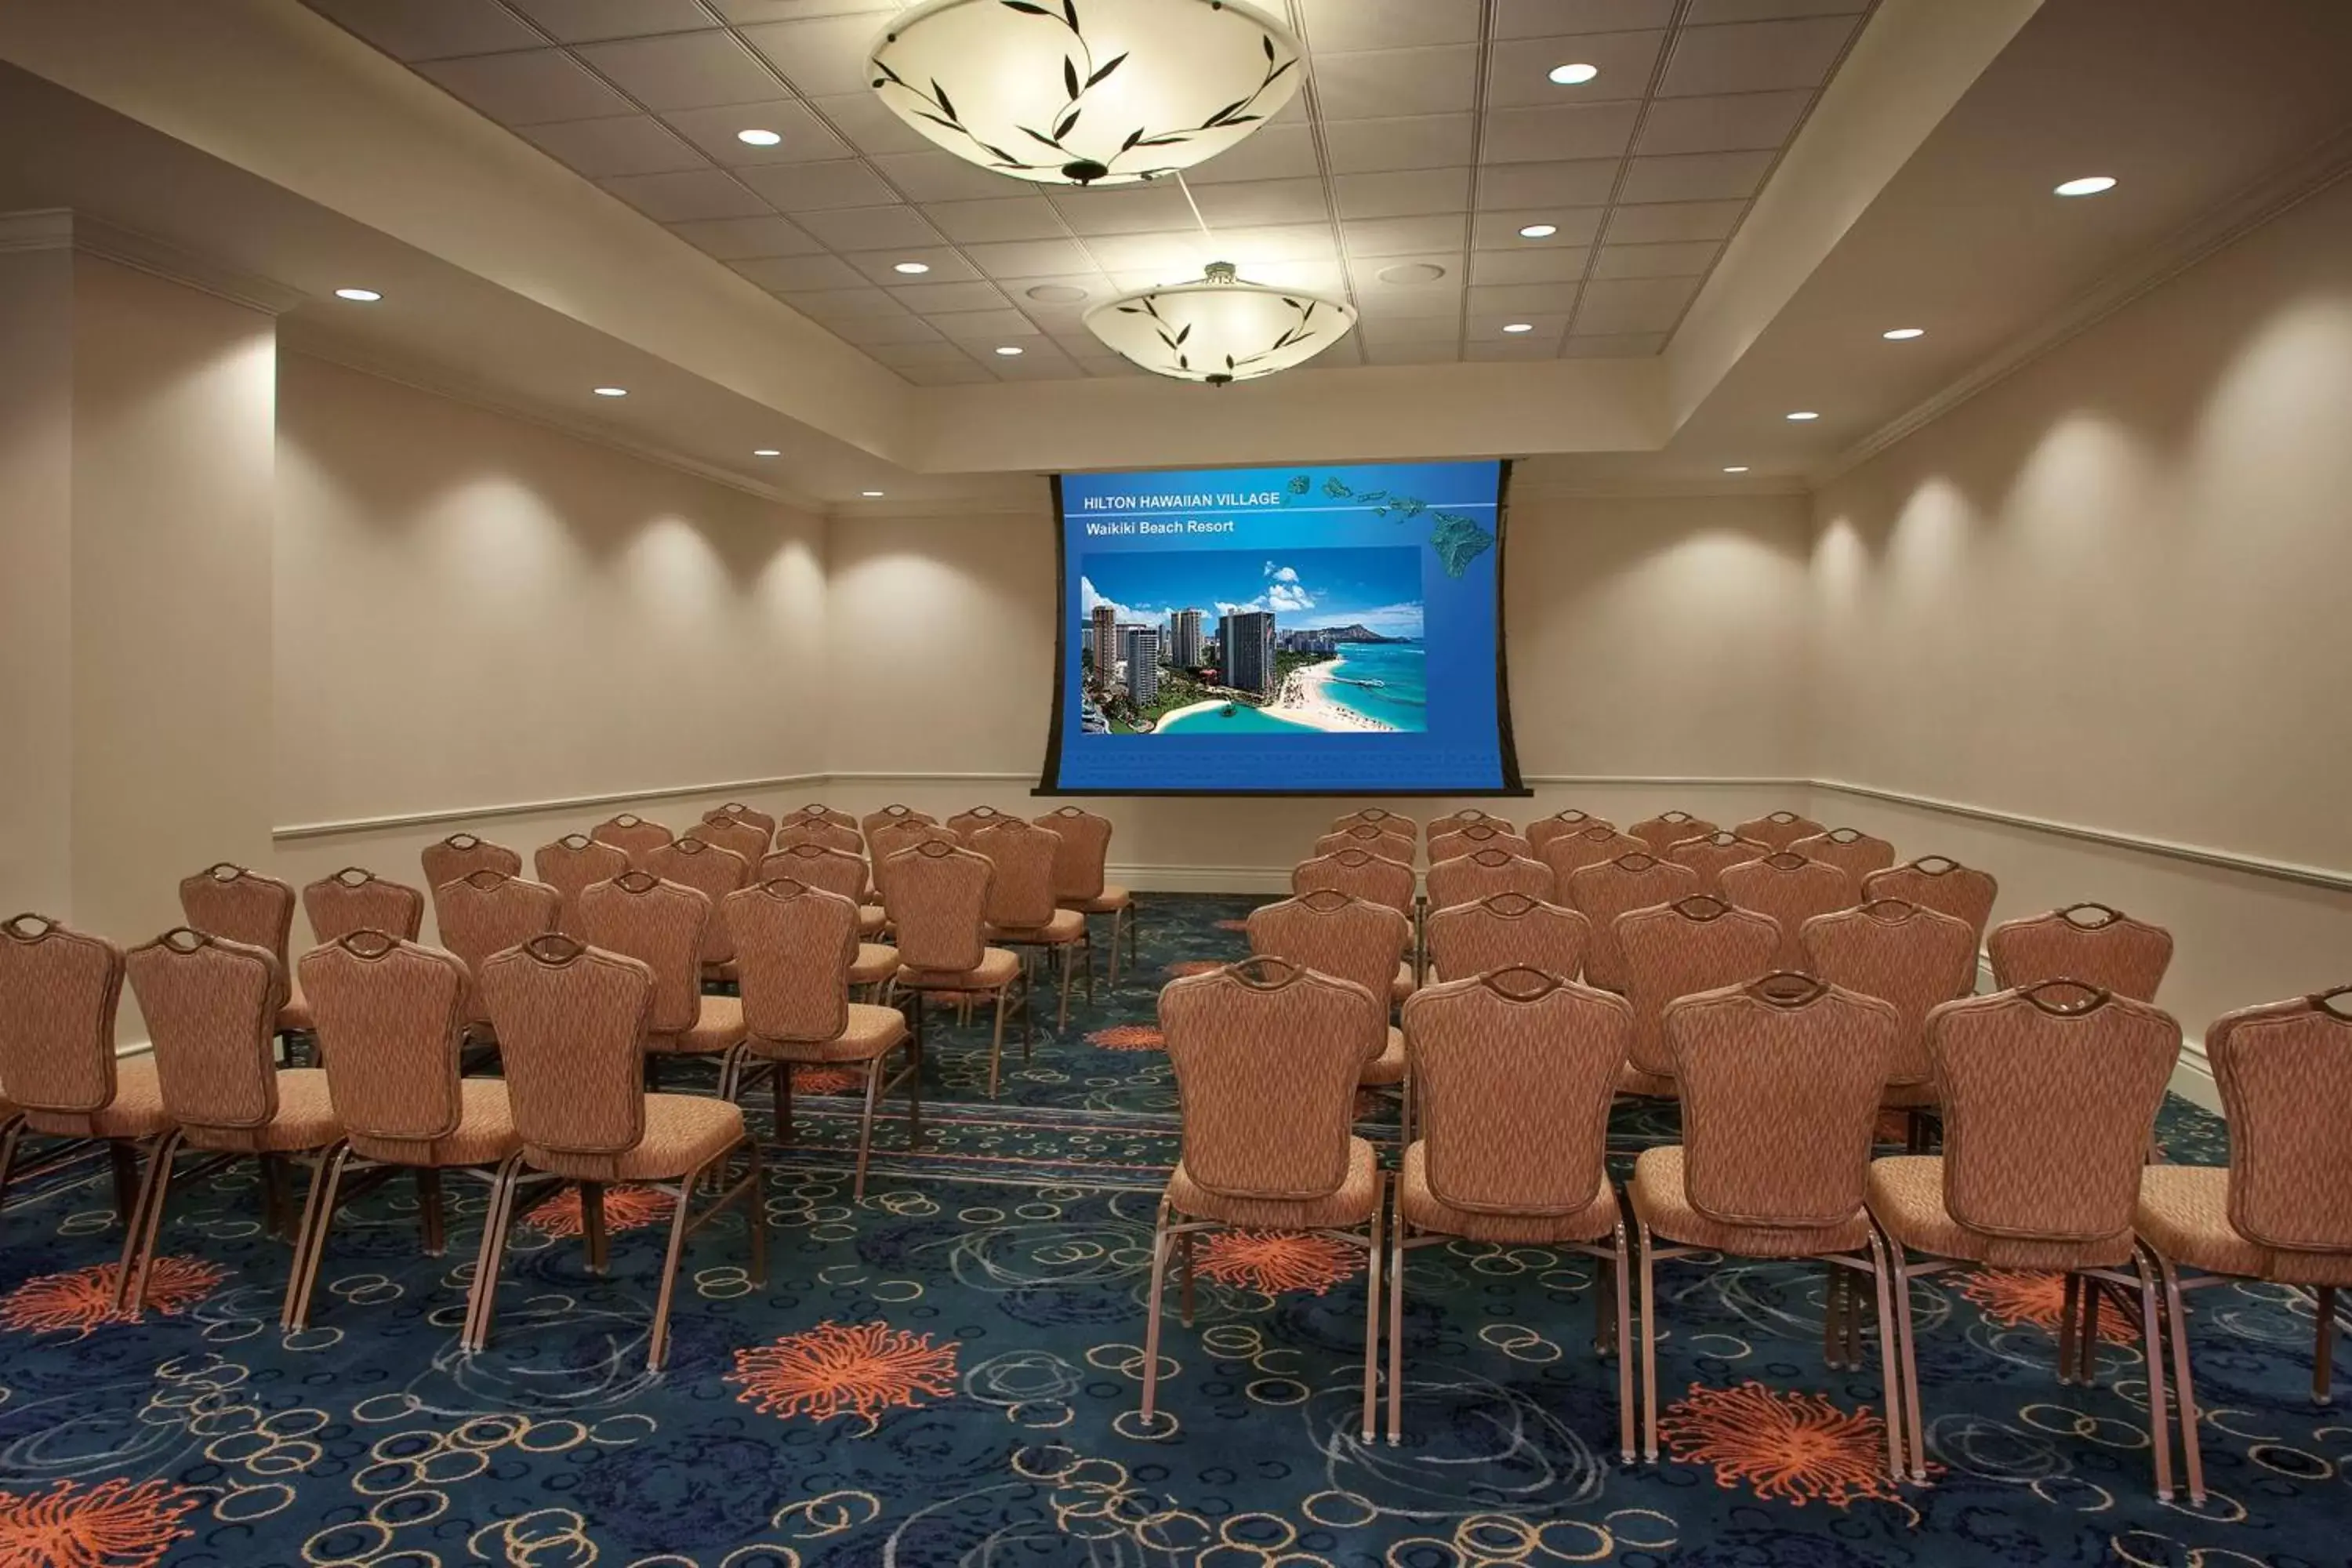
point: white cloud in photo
(1140, 614)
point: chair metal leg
(311, 1250)
(1397, 1240)
(1160, 1245)
(996, 1043)
(864, 1125)
(2086, 1339)
(1833, 1315)
(755, 1211)
(2184, 1389)
(1889, 1376)
(2151, 1338)
(1915, 1437)
(2323, 1345)
(1649, 1346)
(483, 1298)
(1372, 1314)
(147, 1216)
(780, 1101)
(1088, 942)
(592, 1226)
(1114, 948)
(1621, 1267)
(657, 1343)
(2070, 1310)
(124, 1160)
(1062, 962)
(1184, 1278)
(428, 1203)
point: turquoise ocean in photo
(1244, 720)
(1402, 700)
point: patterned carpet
(948, 1374)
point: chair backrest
(211, 1007)
(663, 926)
(237, 905)
(1439, 825)
(1482, 873)
(488, 912)
(460, 853)
(1379, 816)
(1913, 959)
(1559, 825)
(1569, 853)
(1512, 1076)
(1079, 868)
(1506, 930)
(571, 1022)
(1633, 880)
(938, 894)
(764, 821)
(894, 813)
(1331, 933)
(632, 835)
(356, 899)
(836, 870)
(1477, 836)
(1698, 942)
(58, 992)
(1661, 832)
(1940, 883)
(2285, 1072)
(1792, 890)
(391, 1018)
(2050, 1097)
(888, 838)
(1020, 894)
(570, 864)
(1851, 848)
(1778, 828)
(817, 830)
(1710, 853)
(714, 873)
(794, 944)
(971, 819)
(1359, 873)
(735, 835)
(1266, 1056)
(2090, 942)
(1373, 838)
(817, 811)
(1779, 1080)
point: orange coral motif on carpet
(829, 1080)
(110, 1525)
(1275, 1261)
(1128, 1037)
(1796, 1447)
(625, 1208)
(2036, 1297)
(84, 1299)
(835, 1369)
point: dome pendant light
(1220, 329)
(1084, 92)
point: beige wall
(35, 577)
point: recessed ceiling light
(1574, 74)
(362, 295)
(1903, 335)
(612, 392)
(766, 452)
(1539, 231)
(1521, 327)
(1803, 413)
(1411, 272)
(1736, 469)
(1056, 293)
(1007, 350)
(757, 137)
(871, 495)
(911, 268)
(2088, 185)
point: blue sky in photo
(1378, 588)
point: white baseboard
(2192, 1078)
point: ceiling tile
(1407, 194)
(900, 331)
(618, 144)
(984, 326)
(1403, 236)
(1544, 18)
(869, 124)
(1434, 351)
(965, 374)
(734, 238)
(1487, 300)
(882, 265)
(813, 187)
(1537, 264)
(684, 70)
(529, 86)
(843, 304)
(931, 298)
(744, 13)
(1524, 346)
(799, 273)
(1635, 305)
(1557, 132)
(1031, 258)
(1755, 56)
(938, 176)
(1379, 84)
(1499, 230)
(1386, 329)
(1724, 124)
(1687, 259)
(682, 197)
(1695, 177)
(1272, 153)
(933, 350)
(870, 229)
(1382, 146)
(1704, 11)
(1326, 278)
(1389, 23)
(825, 55)
(1636, 224)
(1177, 254)
(1583, 183)
(805, 138)
(1520, 74)
(1262, 202)
(1005, 218)
(1487, 328)
(1123, 209)
(1280, 242)
(1613, 346)
(431, 29)
(1042, 359)
(581, 21)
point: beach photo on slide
(1211, 642)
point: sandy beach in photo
(1305, 698)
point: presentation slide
(1291, 630)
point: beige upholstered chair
(1373, 839)
(393, 1018)
(570, 1021)
(2281, 1211)
(1347, 939)
(1021, 913)
(1661, 832)
(1439, 825)
(355, 899)
(1569, 853)
(1912, 958)
(211, 1006)
(796, 945)
(1482, 873)
(632, 835)
(1850, 847)
(1360, 874)
(1382, 818)
(894, 815)
(486, 913)
(886, 839)
(1711, 854)
(939, 895)
(694, 862)
(666, 926)
(817, 811)
(1079, 876)
(2049, 1098)
(1698, 942)
(836, 870)
(827, 835)
(2090, 942)
(237, 905)
(1778, 828)
(971, 819)
(570, 864)
(1266, 1056)
(1779, 1080)
(462, 853)
(741, 836)
(1511, 1074)
(1473, 836)
(1559, 825)
(1506, 930)
(1633, 880)
(1792, 890)
(763, 821)
(1941, 883)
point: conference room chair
(356, 899)
(2281, 1211)
(2096, 944)
(1482, 873)
(886, 839)
(1505, 931)
(461, 853)
(1266, 1055)
(937, 894)
(1477, 836)
(1661, 832)
(1912, 958)
(59, 991)
(1697, 943)
(1371, 838)
(211, 1007)
(764, 821)
(1792, 890)
(666, 926)
(1571, 852)
(571, 1020)
(1633, 880)
(713, 872)
(738, 835)
(1511, 1074)
(1779, 1085)
(2050, 1098)
(241, 905)
(1378, 817)
(966, 823)
(1559, 825)
(486, 913)
(632, 835)
(1778, 828)
(1939, 882)
(1360, 874)
(817, 811)
(798, 945)
(392, 1015)
(1021, 913)
(833, 869)
(1710, 854)
(1850, 847)
(1463, 818)
(570, 864)
(825, 835)
(893, 814)
(1348, 939)
(1079, 877)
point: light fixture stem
(1187, 189)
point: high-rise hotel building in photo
(1247, 636)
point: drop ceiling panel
(1376, 84)
(1521, 75)
(683, 70)
(1756, 56)
(431, 29)
(527, 87)
(806, 138)
(687, 195)
(585, 21)
(617, 144)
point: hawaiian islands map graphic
(1457, 539)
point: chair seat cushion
(871, 919)
(304, 1120)
(998, 967)
(1388, 1068)
(1110, 900)
(870, 1032)
(137, 1111)
(1067, 925)
(1631, 1080)
(683, 1133)
(1906, 1193)
(484, 1135)
(1402, 986)
(1353, 1203)
(1423, 1210)
(1908, 1096)
(873, 963)
(719, 1027)
(2184, 1213)
(295, 1016)
(1662, 1202)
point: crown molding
(63, 228)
